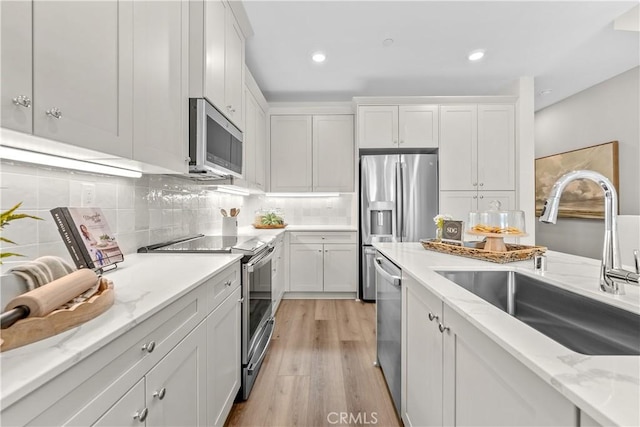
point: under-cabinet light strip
(228, 190)
(19, 155)
(302, 194)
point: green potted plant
(5, 219)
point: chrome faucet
(612, 275)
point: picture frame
(581, 198)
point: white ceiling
(566, 46)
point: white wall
(606, 112)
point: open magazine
(88, 238)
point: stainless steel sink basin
(582, 324)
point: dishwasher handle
(395, 280)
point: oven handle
(251, 266)
(252, 367)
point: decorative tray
(34, 329)
(512, 254)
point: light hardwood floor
(319, 370)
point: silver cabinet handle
(22, 101)
(231, 109)
(442, 328)
(482, 197)
(475, 184)
(55, 113)
(475, 197)
(160, 394)
(635, 258)
(481, 184)
(241, 300)
(432, 316)
(227, 283)
(141, 415)
(149, 347)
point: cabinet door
(486, 386)
(233, 67)
(333, 153)
(215, 14)
(378, 126)
(305, 267)
(249, 138)
(83, 71)
(507, 199)
(291, 153)
(223, 359)
(160, 83)
(277, 280)
(340, 268)
(261, 148)
(496, 147)
(418, 126)
(458, 149)
(422, 356)
(176, 387)
(16, 71)
(127, 410)
(458, 204)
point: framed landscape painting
(581, 198)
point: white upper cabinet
(16, 80)
(69, 67)
(477, 151)
(254, 144)
(378, 126)
(393, 126)
(312, 153)
(291, 153)
(161, 54)
(217, 57)
(333, 153)
(261, 149)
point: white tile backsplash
(152, 209)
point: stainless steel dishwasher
(388, 322)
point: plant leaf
(4, 239)
(7, 254)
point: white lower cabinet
(278, 276)
(455, 375)
(180, 367)
(323, 262)
(223, 358)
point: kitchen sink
(582, 324)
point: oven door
(256, 305)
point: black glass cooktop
(211, 244)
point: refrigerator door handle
(399, 202)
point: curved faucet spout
(610, 249)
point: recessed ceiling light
(387, 42)
(319, 57)
(476, 55)
(545, 92)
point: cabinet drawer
(322, 237)
(222, 285)
(91, 387)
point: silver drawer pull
(241, 299)
(55, 113)
(442, 328)
(432, 316)
(149, 347)
(227, 283)
(141, 415)
(22, 101)
(160, 394)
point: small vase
(438, 233)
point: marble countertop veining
(607, 388)
(144, 284)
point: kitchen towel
(42, 271)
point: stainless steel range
(257, 318)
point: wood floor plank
(289, 401)
(325, 309)
(313, 376)
(348, 325)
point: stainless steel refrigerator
(398, 200)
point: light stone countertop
(144, 284)
(607, 388)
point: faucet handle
(635, 258)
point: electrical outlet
(329, 203)
(88, 197)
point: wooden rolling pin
(43, 300)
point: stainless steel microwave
(215, 144)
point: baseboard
(319, 295)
